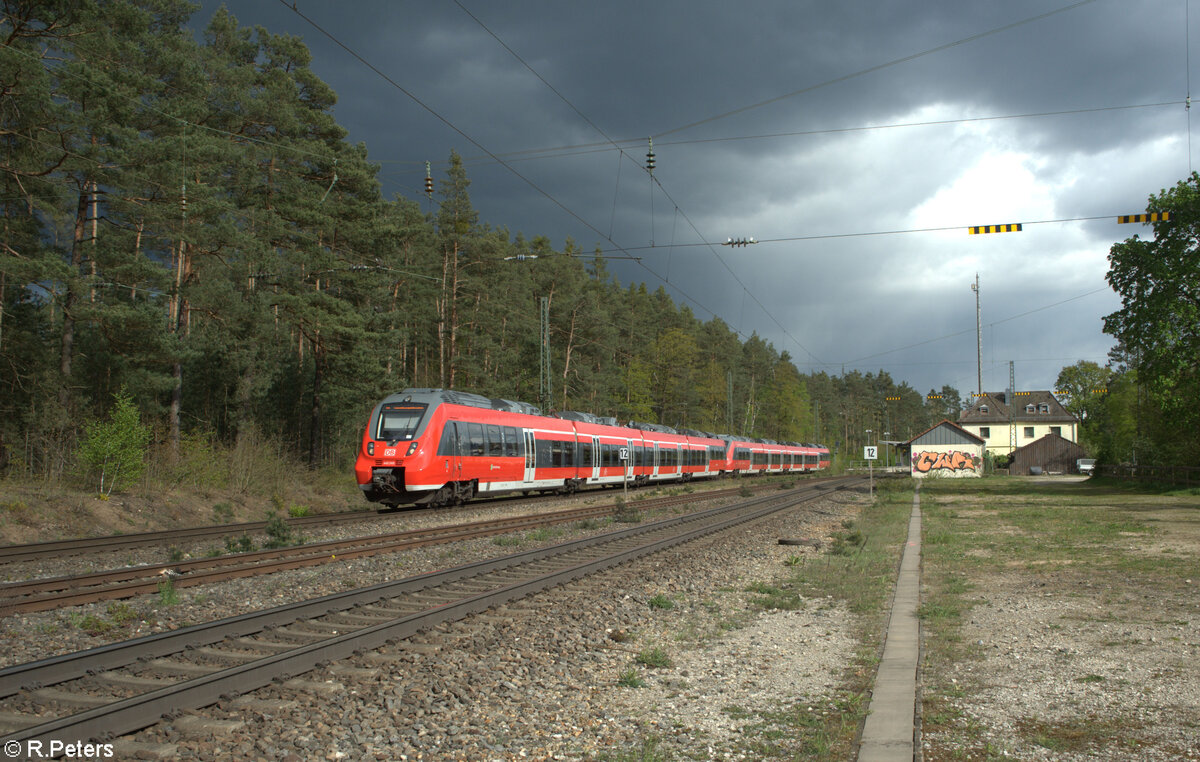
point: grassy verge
(857, 571)
(1085, 558)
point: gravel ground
(1079, 674)
(74, 629)
(1066, 661)
(528, 682)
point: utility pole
(1012, 407)
(544, 355)
(978, 339)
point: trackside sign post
(624, 455)
(871, 454)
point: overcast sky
(856, 141)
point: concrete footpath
(888, 735)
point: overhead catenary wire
(870, 233)
(623, 144)
(878, 67)
(627, 250)
(654, 181)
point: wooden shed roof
(945, 432)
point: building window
(1029, 408)
(985, 431)
(1043, 408)
(983, 408)
(1029, 432)
(1056, 430)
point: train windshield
(399, 420)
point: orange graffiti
(955, 460)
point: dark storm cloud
(755, 108)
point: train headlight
(412, 449)
(370, 448)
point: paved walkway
(888, 733)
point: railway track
(165, 538)
(84, 545)
(116, 689)
(44, 594)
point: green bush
(115, 450)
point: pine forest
(187, 231)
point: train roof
(656, 427)
(468, 399)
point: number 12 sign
(871, 452)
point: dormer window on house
(983, 408)
(1043, 408)
(1029, 408)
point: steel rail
(130, 714)
(57, 592)
(82, 545)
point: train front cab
(395, 445)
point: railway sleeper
(274, 645)
(295, 631)
(391, 612)
(123, 680)
(66, 698)
(187, 668)
(353, 673)
(229, 656)
(361, 618)
(325, 626)
(13, 721)
(317, 687)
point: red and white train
(441, 447)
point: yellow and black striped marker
(980, 229)
(1151, 217)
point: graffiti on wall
(955, 460)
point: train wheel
(463, 492)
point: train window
(399, 420)
(495, 442)
(449, 444)
(562, 454)
(476, 432)
(512, 441)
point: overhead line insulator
(650, 156)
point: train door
(656, 460)
(627, 464)
(595, 464)
(450, 451)
(530, 453)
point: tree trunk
(69, 301)
(314, 433)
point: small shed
(1051, 454)
(946, 450)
